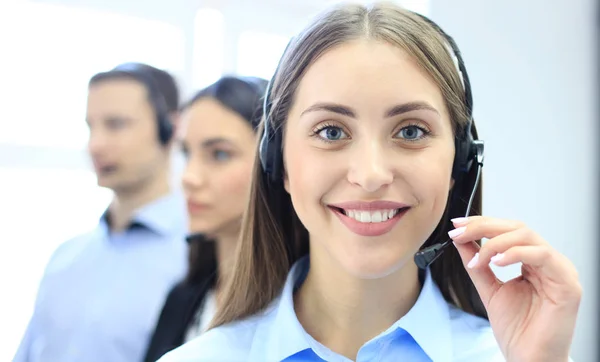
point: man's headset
(163, 118)
(468, 149)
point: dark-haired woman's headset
(163, 117)
(468, 149)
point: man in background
(101, 292)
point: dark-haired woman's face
(368, 153)
(219, 146)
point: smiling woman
(369, 155)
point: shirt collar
(163, 215)
(294, 339)
(428, 321)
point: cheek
(136, 143)
(232, 185)
(435, 174)
(306, 173)
(143, 152)
(431, 183)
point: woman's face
(219, 146)
(368, 155)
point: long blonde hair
(272, 236)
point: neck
(225, 250)
(344, 312)
(126, 202)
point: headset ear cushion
(276, 156)
(463, 154)
(165, 129)
(458, 165)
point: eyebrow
(349, 112)
(214, 141)
(110, 117)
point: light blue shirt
(102, 292)
(433, 330)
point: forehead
(369, 74)
(117, 95)
(208, 118)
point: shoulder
(231, 342)
(183, 296)
(473, 338)
(69, 250)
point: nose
(97, 142)
(193, 176)
(370, 167)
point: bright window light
(51, 53)
(259, 53)
(209, 39)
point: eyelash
(426, 131)
(318, 129)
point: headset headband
(465, 141)
(157, 99)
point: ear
(175, 118)
(286, 181)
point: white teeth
(365, 216)
(371, 216)
(376, 216)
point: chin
(118, 183)
(106, 183)
(201, 224)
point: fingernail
(456, 232)
(459, 220)
(473, 261)
(497, 257)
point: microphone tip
(424, 258)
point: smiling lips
(369, 218)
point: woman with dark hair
(218, 138)
(355, 245)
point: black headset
(157, 99)
(468, 149)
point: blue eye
(184, 151)
(220, 155)
(331, 133)
(412, 133)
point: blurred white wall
(529, 61)
(533, 68)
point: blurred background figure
(102, 291)
(218, 138)
(534, 79)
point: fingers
(530, 255)
(556, 271)
(479, 227)
(494, 248)
(509, 243)
(483, 278)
